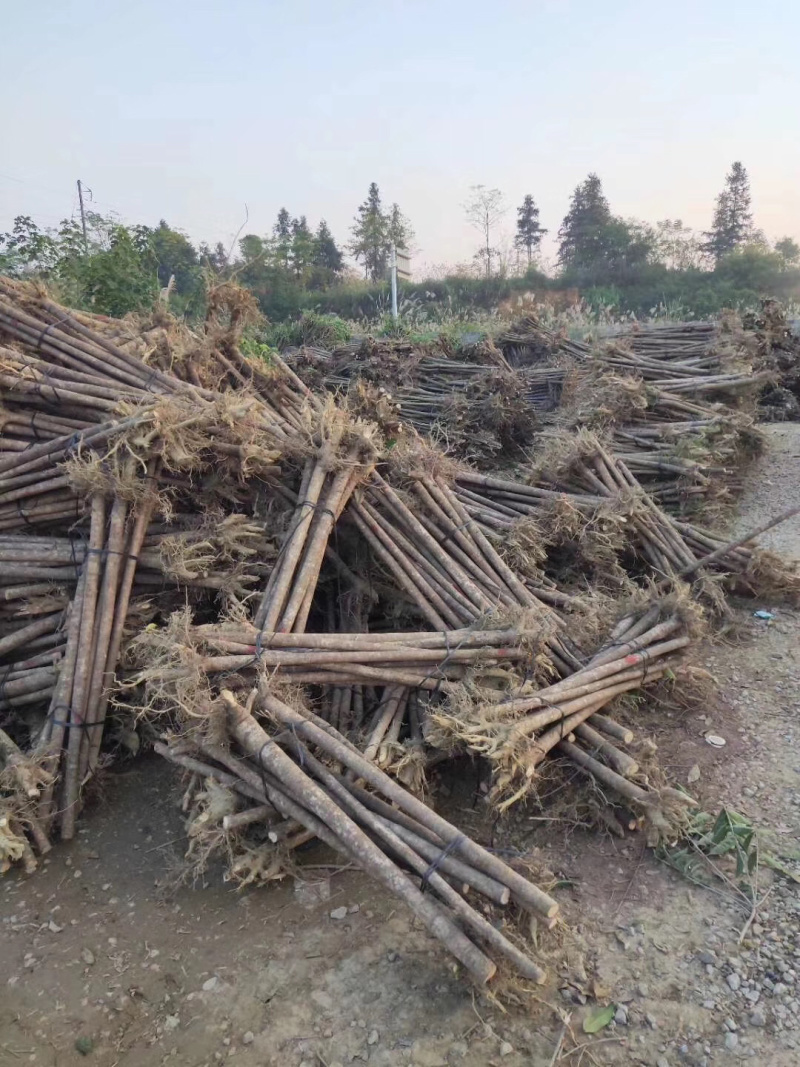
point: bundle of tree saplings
(418, 660)
(591, 500)
(516, 731)
(98, 517)
(297, 778)
(307, 557)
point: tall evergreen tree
(326, 254)
(282, 234)
(583, 232)
(399, 229)
(529, 233)
(302, 247)
(370, 232)
(733, 219)
(283, 225)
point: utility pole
(83, 218)
(394, 282)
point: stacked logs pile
(102, 461)
(678, 398)
(478, 404)
(593, 504)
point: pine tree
(733, 220)
(584, 230)
(529, 232)
(370, 232)
(399, 229)
(326, 254)
(282, 232)
(283, 225)
(302, 247)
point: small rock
(643, 989)
(693, 776)
(210, 983)
(758, 1018)
(652, 1022)
(707, 958)
(248, 1038)
(621, 1016)
(54, 928)
(354, 908)
(339, 913)
(373, 1037)
(662, 1061)
(506, 1048)
(734, 981)
(87, 956)
(731, 1041)
(779, 989)
(172, 1022)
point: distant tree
(752, 266)
(302, 249)
(26, 249)
(252, 248)
(370, 244)
(484, 209)
(283, 225)
(733, 219)
(282, 238)
(399, 229)
(789, 251)
(327, 259)
(676, 246)
(175, 257)
(117, 279)
(529, 233)
(584, 230)
(215, 259)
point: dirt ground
(95, 950)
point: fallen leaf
(597, 1020)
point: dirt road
(100, 964)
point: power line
(34, 184)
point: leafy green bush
(312, 328)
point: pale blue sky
(189, 110)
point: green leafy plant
(708, 839)
(250, 346)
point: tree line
(595, 246)
(115, 268)
(622, 263)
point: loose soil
(98, 948)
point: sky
(208, 114)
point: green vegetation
(614, 267)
